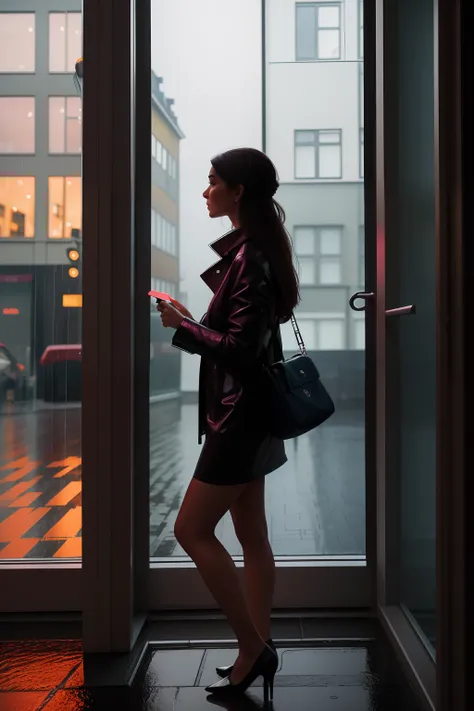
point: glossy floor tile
(325, 676)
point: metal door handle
(364, 296)
(402, 311)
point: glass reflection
(207, 97)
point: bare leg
(203, 507)
(248, 515)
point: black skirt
(224, 461)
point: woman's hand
(182, 309)
(170, 316)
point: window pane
(329, 162)
(41, 283)
(57, 42)
(305, 32)
(74, 40)
(359, 334)
(73, 213)
(305, 137)
(307, 270)
(17, 124)
(330, 271)
(65, 208)
(17, 42)
(329, 241)
(57, 124)
(299, 108)
(305, 162)
(308, 331)
(331, 335)
(17, 207)
(74, 136)
(304, 240)
(329, 44)
(328, 16)
(329, 137)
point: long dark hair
(262, 218)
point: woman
(255, 288)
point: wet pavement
(315, 503)
(328, 676)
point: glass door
(287, 78)
(40, 305)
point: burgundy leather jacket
(234, 339)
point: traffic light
(74, 257)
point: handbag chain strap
(298, 336)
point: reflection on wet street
(315, 503)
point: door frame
(440, 685)
(339, 582)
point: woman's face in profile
(221, 200)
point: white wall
(313, 95)
(209, 55)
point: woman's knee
(189, 532)
(251, 535)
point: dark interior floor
(325, 673)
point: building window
(359, 334)
(65, 208)
(320, 333)
(163, 234)
(361, 29)
(65, 124)
(17, 207)
(319, 253)
(166, 287)
(65, 41)
(318, 31)
(318, 154)
(17, 124)
(361, 152)
(17, 42)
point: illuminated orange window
(65, 208)
(17, 207)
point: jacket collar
(228, 242)
(215, 275)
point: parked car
(13, 380)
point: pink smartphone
(160, 296)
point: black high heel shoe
(266, 666)
(227, 671)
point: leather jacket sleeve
(250, 306)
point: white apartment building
(314, 134)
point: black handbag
(298, 400)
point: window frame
(317, 133)
(361, 256)
(67, 14)
(319, 258)
(67, 118)
(360, 29)
(316, 6)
